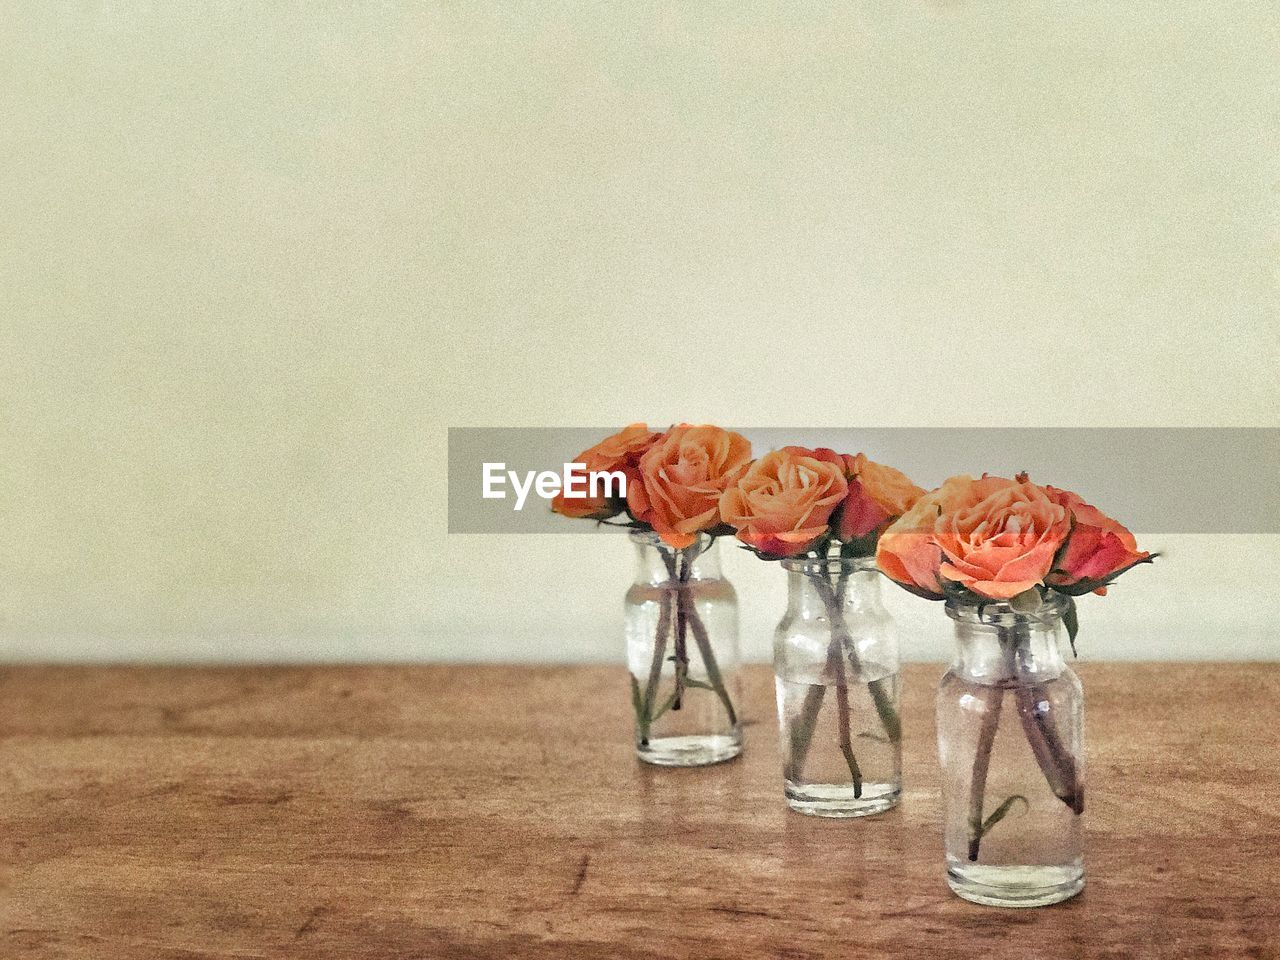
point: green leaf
(758, 554)
(1000, 813)
(1072, 622)
(1028, 601)
(859, 546)
(920, 592)
(631, 525)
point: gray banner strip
(1153, 480)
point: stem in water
(841, 645)
(806, 724)
(842, 713)
(678, 577)
(682, 630)
(1033, 704)
(993, 699)
(714, 677)
(880, 696)
(688, 618)
(802, 729)
(1055, 761)
(655, 668)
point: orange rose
(877, 495)
(907, 552)
(781, 505)
(1098, 549)
(682, 477)
(1005, 543)
(622, 451)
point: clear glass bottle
(1010, 738)
(837, 679)
(682, 651)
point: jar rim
(650, 538)
(995, 613)
(815, 566)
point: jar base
(693, 751)
(1016, 885)
(836, 800)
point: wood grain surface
(498, 812)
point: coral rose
(907, 552)
(1098, 549)
(682, 477)
(1003, 544)
(877, 495)
(781, 505)
(620, 452)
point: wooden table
(498, 812)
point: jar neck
(813, 586)
(659, 563)
(998, 645)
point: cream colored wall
(258, 257)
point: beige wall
(257, 258)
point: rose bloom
(781, 505)
(1097, 549)
(877, 495)
(907, 551)
(682, 477)
(1004, 544)
(620, 452)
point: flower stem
(709, 663)
(655, 668)
(880, 696)
(1053, 758)
(842, 712)
(842, 689)
(841, 646)
(682, 630)
(688, 618)
(679, 568)
(802, 729)
(993, 698)
(1055, 761)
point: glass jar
(682, 651)
(1010, 738)
(837, 681)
